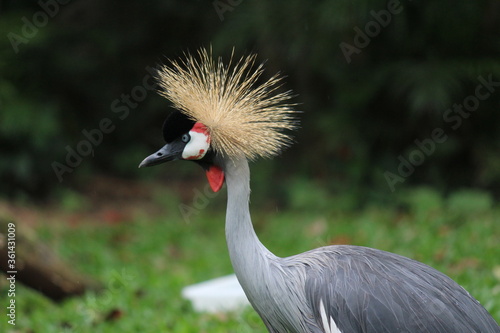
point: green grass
(145, 262)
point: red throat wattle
(215, 177)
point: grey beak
(165, 154)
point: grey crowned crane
(225, 118)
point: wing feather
(372, 291)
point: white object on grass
(223, 294)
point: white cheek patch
(198, 146)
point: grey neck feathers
(259, 271)
(251, 260)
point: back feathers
(242, 117)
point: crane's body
(339, 288)
(221, 124)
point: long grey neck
(249, 257)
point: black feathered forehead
(176, 125)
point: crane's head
(222, 112)
(187, 140)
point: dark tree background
(394, 93)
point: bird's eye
(185, 138)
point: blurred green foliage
(146, 261)
(92, 60)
